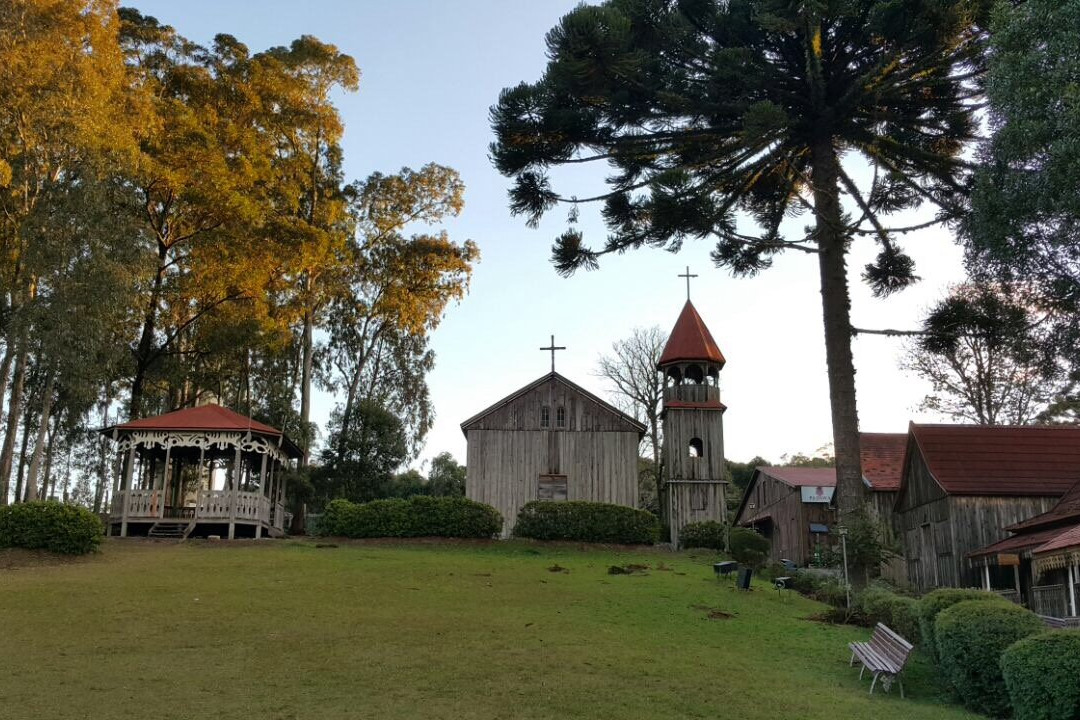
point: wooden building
(200, 471)
(792, 506)
(551, 440)
(964, 485)
(693, 422)
(1039, 564)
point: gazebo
(200, 471)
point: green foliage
(1042, 674)
(868, 542)
(586, 522)
(708, 534)
(446, 478)
(819, 586)
(934, 602)
(50, 525)
(879, 603)
(362, 454)
(418, 516)
(971, 636)
(748, 547)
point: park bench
(885, 656)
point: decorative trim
(205, 440)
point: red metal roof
(1001, 460)
(1067, 509)
(1017, 543)
(883, 459)
(203, 417)
(690, 340)
(802, 476)
(1070, 537)
(706, 405)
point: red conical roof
(690, 340)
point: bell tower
(693, 422)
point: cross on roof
(553, 347)
(687, 275)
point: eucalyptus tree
(705, 109)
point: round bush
(50, 525)
(1042, 674)
(708, 534)
(586, 522)
(971, 636)
(748, 547)
(419, 516)
(934, 602)
(879, 604)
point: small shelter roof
(1067, 509)
(1000, 460)
(690, 340)
(1062, 540)
(882, 457)
(205, 418)
(801, 476)
(1017, 543)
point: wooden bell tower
(693, 422)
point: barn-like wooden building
(963, 485)
(551, 440)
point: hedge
(1042, 675)
(879, 604)
(708, 534)
(418, 516)
(50, 525)
(971, 636)
(586, 522)
(748, 547)
(933, 603)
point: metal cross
(553, 347)
(687, 275)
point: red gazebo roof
(203, 417)
(690, 340)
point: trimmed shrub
(50, 525)
(708, 534)
(586, 522)
(748, 547)
(933, 603)
(971, 636)
(419, 516)
(879, 604)
(1042, 674)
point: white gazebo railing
(209, 505)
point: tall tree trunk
(307, 363)
(48, 483)
(27, 421)
(103, 461)
(42, 434)
(836, 309)
(7, 453)
(144, 353)
(5, 369)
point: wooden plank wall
(503, 467)
(978, 521)
(790, 536)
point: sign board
(817, 494)
(1008, 559)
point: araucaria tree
(715, 115)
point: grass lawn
(283, 630)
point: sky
(430, 70)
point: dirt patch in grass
(630, 569)
(12, 558)
(558, 569)
(713, 613)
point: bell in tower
(693, 422)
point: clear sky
(429, 72)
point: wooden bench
(885, 656)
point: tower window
(545, 416)
(697, 448)
(695, 375)
(560, 417)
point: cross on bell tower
(687, 275)
(553, 347)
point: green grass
(286, 630)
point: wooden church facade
(551, 440)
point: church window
(551, 487)
(697, 448)
(560, 417)
(545, 416)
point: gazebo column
(235, 494)
(986, 575)
(164, 482)
(262, 494)
(125, 489)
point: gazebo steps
(170, 530)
